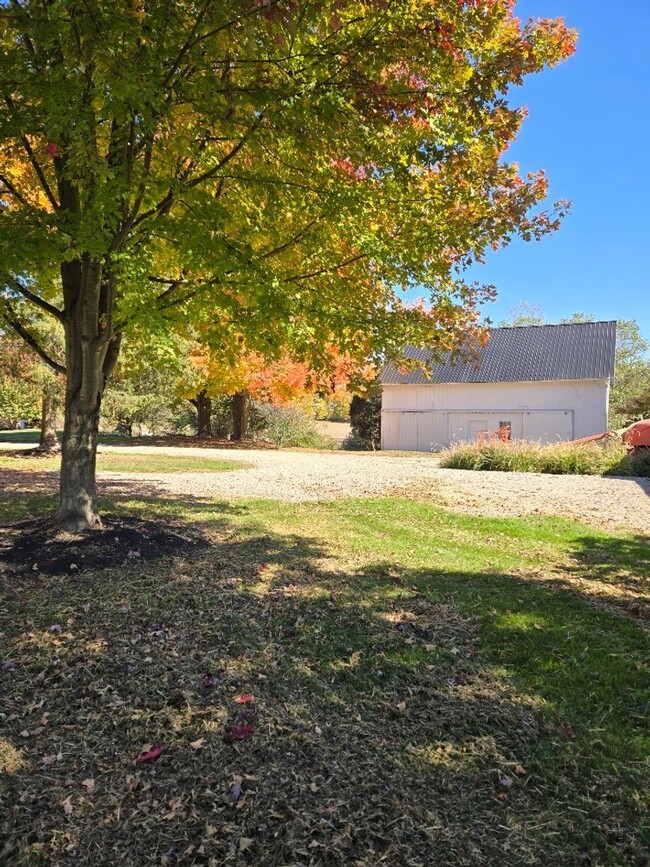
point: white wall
(422, 417)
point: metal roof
(526, 353)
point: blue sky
(589, 128)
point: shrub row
(559, 458)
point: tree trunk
(49, 405)
(240, 415)
(78, 494)
(91, 351)
(203, 405)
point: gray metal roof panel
(526, 353)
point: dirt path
(304, 476)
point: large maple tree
(276, 169)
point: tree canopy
(276, 170)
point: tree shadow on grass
(31, 491)
(399, 716)
(620, 560)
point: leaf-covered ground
(354, 683)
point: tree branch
(291, 241)
(35, 299)
(12, 189)
(229, 156)
(35, 163)
(168, 199)
(30, 340)
(297, 277)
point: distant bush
(287, 426)
(18, 400)
(528, 457)
(365, 422)
(332, 408)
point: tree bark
(78, 493)
(240, 415)
(49, 441)
(203, 405)
(92, 349)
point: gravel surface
(300, 476)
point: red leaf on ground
(149, 756)
(244, 698)
(241, 731)
(263, 567)
(52, 149)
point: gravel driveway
(304, 476)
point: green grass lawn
(119, 462)
(427, 688)
(32, 435)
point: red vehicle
(637, 436)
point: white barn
(540, 382)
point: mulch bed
(39, 545)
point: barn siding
(422, 417)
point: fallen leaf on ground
(245, 698)
(67, 806)
(245, 843)
(568, 733)
(241, 731)
(88, 784)
(198, 744)
(149, 755)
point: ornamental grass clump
(579, 460)
(515, 456)
(531, 457)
